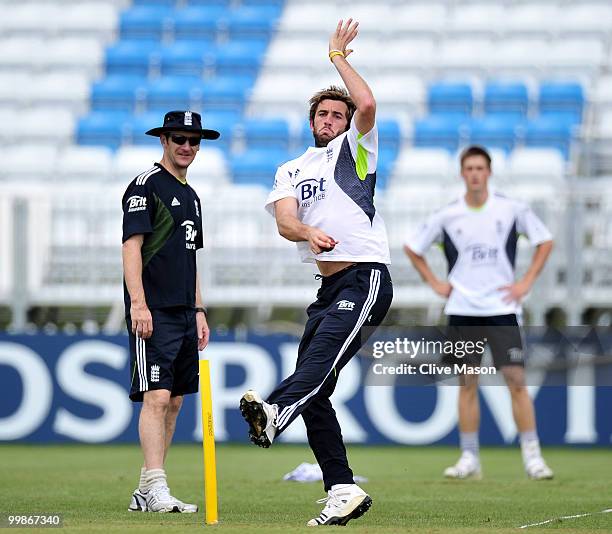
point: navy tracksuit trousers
(349, 305)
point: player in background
(324, 201)
(162, 230)
(479, 234)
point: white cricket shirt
(334, 188)
(480, 247)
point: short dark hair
(475, 151)
(333, 92)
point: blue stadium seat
(250, 22)
(561, 97)
(117, 93)
(145, 22)
(224, 122)
(266, 133)
(494, 131)
(450, 97)
(550, 131)
(173, 92)
(102, 129)
(510, 116)
(510, 98)
(185, 58)
(439, 131)
(197, 22)
(389, 135)
(210, 3)
(306, 138)
(167, 3)
(226, 94)
(130, 57)
(384, 167)
(239, 57)
(137, 125)
(260, 3)
(568, 118)
(257, 166)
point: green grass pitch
(91, 487)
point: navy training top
(168, 213)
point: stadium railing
(74, 255)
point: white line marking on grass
(607, 511)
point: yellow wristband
(333, 53)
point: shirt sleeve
(364, 149)
(529, 224)
(138, 211)
(428, 233)
(283, 187)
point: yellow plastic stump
(208, 446)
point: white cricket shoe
(468, 466)
(158, 499)
(537, 469)
(138, 502)
(341, 506)
(261, 418)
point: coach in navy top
(162, 230)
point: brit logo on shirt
(190, 235)
(136, 203)
(329, 154)
(482, 254)
(310, 191)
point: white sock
(530, 446)
(154, 477)
(468, 442)
(142, 481)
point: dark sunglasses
(180, 140)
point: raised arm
(357, 87)
(290, 227)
